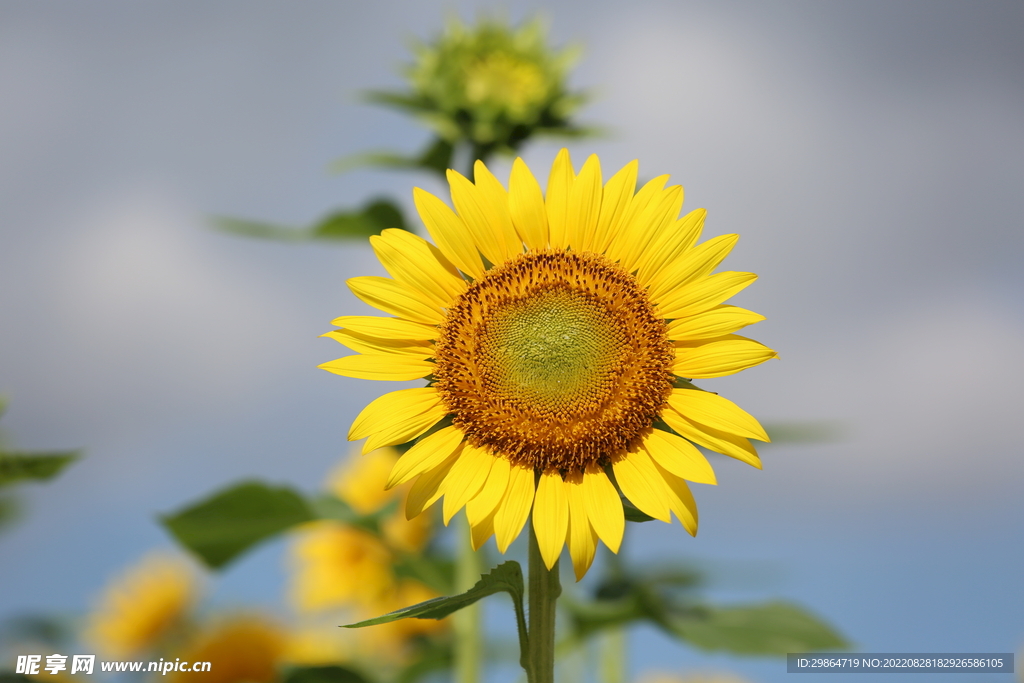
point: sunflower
(558, 334)
(489, 84)
(360, 483)
(244, 648)
(337, 565)
(145, 605)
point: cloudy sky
(870, 154)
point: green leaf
(324, 674)
(397, 100)
(9, 511)
(8, 677)
(258, 229)
(327, 506)
(391, 160)
(591, 616)
(430, 657)
(436, 572)
(506, 577)
(771, 628)
(633, 513)
(377, 215)
(805, 432)
(222, 527)
(44, 630)
(18, 467)
(437, 157)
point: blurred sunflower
(555, 333)
(361, 481)
(145, 605)
(489, 85)
(318, 642)
(336, 565)
(241, 649)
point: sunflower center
(553, 351)
(554, 360)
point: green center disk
(555, 351)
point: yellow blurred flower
(336, 565)
(360, 482)
(143, 605)
(410, 535)
(243, 649)
(319, 643)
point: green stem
(613, 652)
(468, 646)
(544, 591)
(613, 656)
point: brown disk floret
(554, 360)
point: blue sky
(871, 156)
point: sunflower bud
(490, 85)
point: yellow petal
(620, 235)
(450, 234)
(630, 229)
(386, 410)
(716, 411)
(496, 205)
(396, 298)
(486, 501)
(584, 206)
(641, 484)
(425, 455)
(474, 212)
(660, 213)
(526, 205)
(515, 507)
(695, 263)
(465, 480)
(392, 328)
(581, 537)
(670, 244)
(703, 294)
(393, 367)
(720, 357)
(482, 530)
(550, 516)
(719, 321)
(604, 507)
(680, 500)
(406, 429)
(679, 456)
(722, 442)
(557, 201)
(615, 199)
(376, 346)
(427, 489)
(412, 260)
